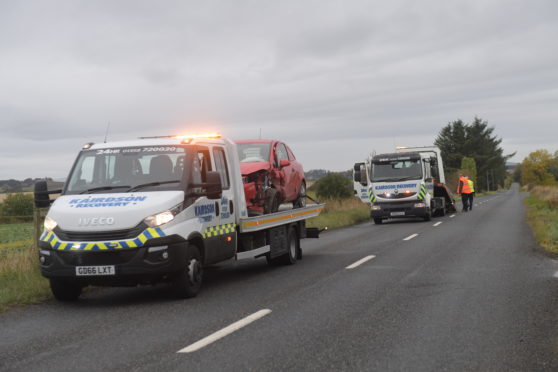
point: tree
(475, 140)
(536, 168)
(334, 186)
(469, 168)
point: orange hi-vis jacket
(463, 186)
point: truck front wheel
(64, 290)
(188, 282)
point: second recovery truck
(158, 210)
(407, 183)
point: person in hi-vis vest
(464, 189)
(471, 194)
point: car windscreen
(253, 151)
(396, 170)
(127, 169)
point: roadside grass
(339, 213)
(16, 232)
(21, 282)
(542, 215)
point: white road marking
(410, 237)
(453, 215)
(225, 331)
(437, 223)
(555, 274)
(360, 262)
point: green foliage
(475, 140)
(17, 207)
(536, 169)
(542, 215)
(334, 186)
(469, 168)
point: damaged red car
(271, 176)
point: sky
(335, 80)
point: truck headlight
(50, 224)
(163, 217)
(420, 205)
(159, 219)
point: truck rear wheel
(188, 282)
(293, 251)
(64, 290)
(378, 220)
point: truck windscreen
(396, 170)
(127, 169)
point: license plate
(94, 270)
(397, 213)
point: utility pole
(487, 181)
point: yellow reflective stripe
(89, 246)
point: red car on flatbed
(271, 176)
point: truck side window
(205, 162)
(221, 166)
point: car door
(288, 173)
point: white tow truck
(407, 183)
(158, 209)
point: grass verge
(542, 215)
(21, 282)
(340, 213)
(14, 232)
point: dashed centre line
(453, 215)
(360, 262)
(411, 237)
(437, 223)
(225, 331)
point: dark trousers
(465, 201)
(470, 201)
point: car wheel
(300, 202)
(271, 204)
(188, 282)
(64, 290)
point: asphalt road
(471, 293)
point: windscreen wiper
(101, 188)
(407, 178)
(137, 187)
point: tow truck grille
(99, 236)
(96, 258)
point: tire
(378, 220)
(271, 204)
(442, 212)
(64, 290)
(293, 251)
(428, 216)
(300, 202)
(187, 283)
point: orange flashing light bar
(189, 137)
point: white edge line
(360, 262)
(225, 331)
(411, 237)
(453, 215)
(437, 223)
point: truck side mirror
(42, 199)
(359, 173)
(213, 186)
(284, 163)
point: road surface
(469, 291)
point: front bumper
(157, 260)
(398, 210)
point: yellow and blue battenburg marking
(212, 231)
(422, 192)
(371, 195)
(139, 241)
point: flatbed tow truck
(158, 209)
